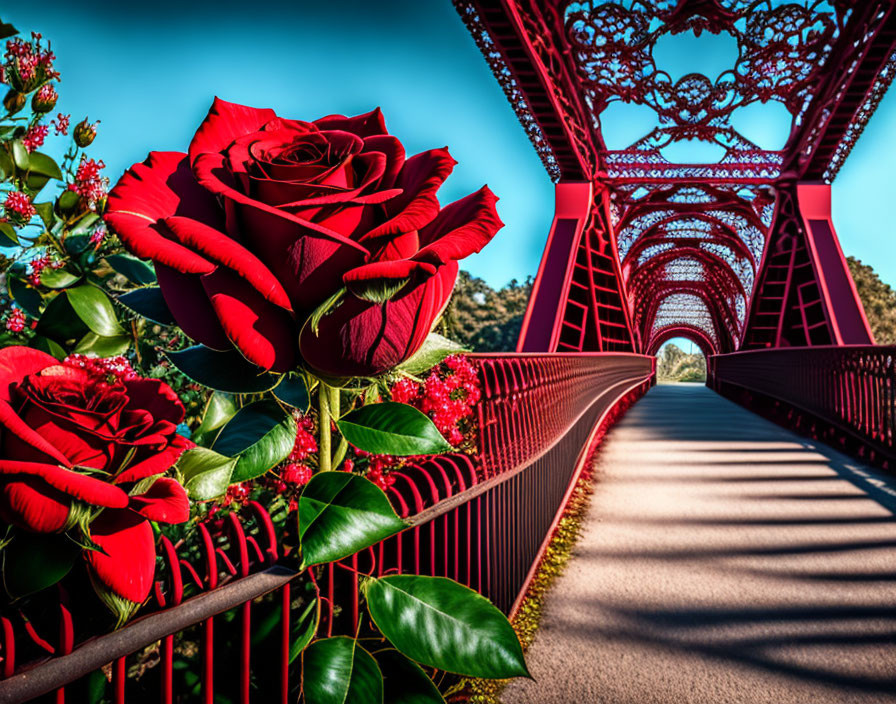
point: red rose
(267, 218)
(68, 434)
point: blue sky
(149, 72)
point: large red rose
(69, 434)
(266, 218)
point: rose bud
(85, 133)
(45, 99)
(14, 101)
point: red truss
(720, 251)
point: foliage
(485, 319)
(674, 364)
(878, 299)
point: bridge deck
(724, 559)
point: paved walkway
(724, 559)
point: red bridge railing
(483, 521)
(845, 395)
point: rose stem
(325, 451)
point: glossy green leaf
(293, 391)
(103, 346)
(435, 348)
(58, 278)
(32, 562)
(222, 371)
(261, 435)
(339, 671)
(19, 154)
(27, 298)
(45, 211)
(341, 513)
(60, 322)
(393, 429)
(68, 201)
(94, 307)
(403, 680)
(445, 625)
(149, 303)
(132, 268)
(45, 344)
(9, 235)
(43, 164)
(206, 474)
(219, 409)
(304, 630)
(7, 167)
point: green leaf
(222, 371)
(28, 298)
(57, 278)
(103, 346)
(403, 680)
(9, 233)
(67, 201)
(293, 391)
(93, 306)
(20, 154)
(7, 30)
(132, 268)
(339, 671)
(261, 435)
(435, 348)
(393, 429)
(445, 625)
(45, 344)
(148, 303)
(45, 211)
(85, 223)
(206, 474)
(39, 163)
(7, 168)
(341, 513)
(60, 322)
(32, 562)
(219, 409)
(304, 629)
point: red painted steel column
(847, 316)
(541, 324)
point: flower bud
(14, 101)
(45, 99)
(85, 133)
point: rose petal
(165, 501)
(191, 308)
(366, 125)
(394, 152)
(220, 248)
(224, 123)
(461, 228)
(156, 462)
(155, 397)
(264, 333)
(78, 486)
(359, 338)
(129, 564)
(80, 439)
(30, 503)
(147, 193)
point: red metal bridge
(740, 256)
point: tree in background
(878, 299)
(674, 364)
(485, 319)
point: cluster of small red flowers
(88, 182)
(35, 136)
(19, 206)
(378, 467)
(15, 321)
(28, 63)
(37, 265)
(118, 367)
(305, 443)
(447, 396)
(237, 493)
(61, 123)
(99, 234)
